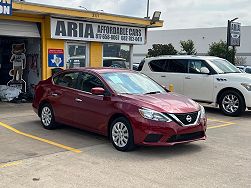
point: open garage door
(18, 29)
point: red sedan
(128, 107)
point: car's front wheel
(47, 117)
(121, 134)
(232, 103)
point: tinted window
(158, 65)
(67, 79)
(177, 65)
(195, 66)
(248, 70)
(88, 81)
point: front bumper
(247, 97)
(153, 133)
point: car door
(197, 85)
(63, 96)
(92, 110)
(169, 71)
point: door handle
(78, 100)
(188, 77)
(163, 76)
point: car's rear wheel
(47, 117)
(121, 134)
(232, 103)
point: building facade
(35, 39)
(201, 37)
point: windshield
(223, 66)
(132, 83)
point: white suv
(205, 79)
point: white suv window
(169, 65)
(196, 65)
(158, 65)
(177, 65)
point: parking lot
(31, 156)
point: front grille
(186, 137)
(153, 137)
(187, 118)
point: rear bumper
(152, 133)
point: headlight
(202, 112)
(247, 86)
(153, 115)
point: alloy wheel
(120, 134)
(230, 103)
(46, 116)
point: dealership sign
(100, 32)
(5, 7)
(234, 35)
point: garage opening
(20, 56)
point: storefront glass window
(77, 55)
(116, 55)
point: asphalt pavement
(31, 156)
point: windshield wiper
(152, 92)
(230, 72)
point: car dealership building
(35, 39)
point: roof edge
(80, 13)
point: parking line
(225, 123)
(40, 139)
(5, 165)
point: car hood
(168, 102)
(236, 77)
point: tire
(47, 117)
(121, 134)
(232, 103)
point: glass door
(77, 55)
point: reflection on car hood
(236, 77)
(168, 102)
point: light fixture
(156, 17)
(82, 7)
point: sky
(177, 14)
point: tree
(188, 47)
(220, 49)
(161, 49)
(240, 60)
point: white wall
(202, 38)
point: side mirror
(204, 70)
(98, 91)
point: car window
(132, 83)
(194, 66)
(158, 65)
(88, 81)
(114, 63)
(248, 70)
(223, 66)
(177, 66)
(67, 79)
